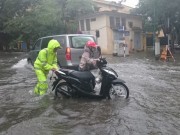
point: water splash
(21, 64)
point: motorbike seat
(66, 71)
(86, 76)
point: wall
(110, 6)
(101, 25)
(137, 26)
(137, 23)
(110, 39)
(106, 39)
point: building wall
(112, 6)
(137, 27)
(110, 38)
(136, 20)
(129, 40)
(106, 39)
(100, 24)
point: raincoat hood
(53, 44)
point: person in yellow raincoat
(45, 61)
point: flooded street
(153, 107)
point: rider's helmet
(91, 44)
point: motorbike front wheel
(118, 90)
(63, 89)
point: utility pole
(168, 32)
(156, 42)
(154, 28)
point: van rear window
(80, 41)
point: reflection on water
(153, 106)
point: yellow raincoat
(46, 60)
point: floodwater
(153, 107)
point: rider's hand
(98, 60)
(53, 69)
(94, 62)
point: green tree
(158, 14)
(9, 10)
(34, 19)
(75, 8)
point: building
(115, 23)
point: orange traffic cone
(164, 54)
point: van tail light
(68, 53)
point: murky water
(153, 107)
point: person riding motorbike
(45, 61)
(88, 60)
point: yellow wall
(106, 40)
(108, 6)
(144, 42)
(101, 25)
(110, 39)
(137, 22)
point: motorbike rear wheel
(118, 90)
(63, 89)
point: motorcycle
(72, 83)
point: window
(61, 40)
(130, 24)
(45, 42)
(37, 45)
(124, 22)
(82, 25)
(112, 23)
(80, 41)
(118, 22)
(88, 25)
(118, 35)
(93, 19)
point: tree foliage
(78, 7)
(31, 19)
(9, 10)
(156, 14)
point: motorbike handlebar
(101, 62)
